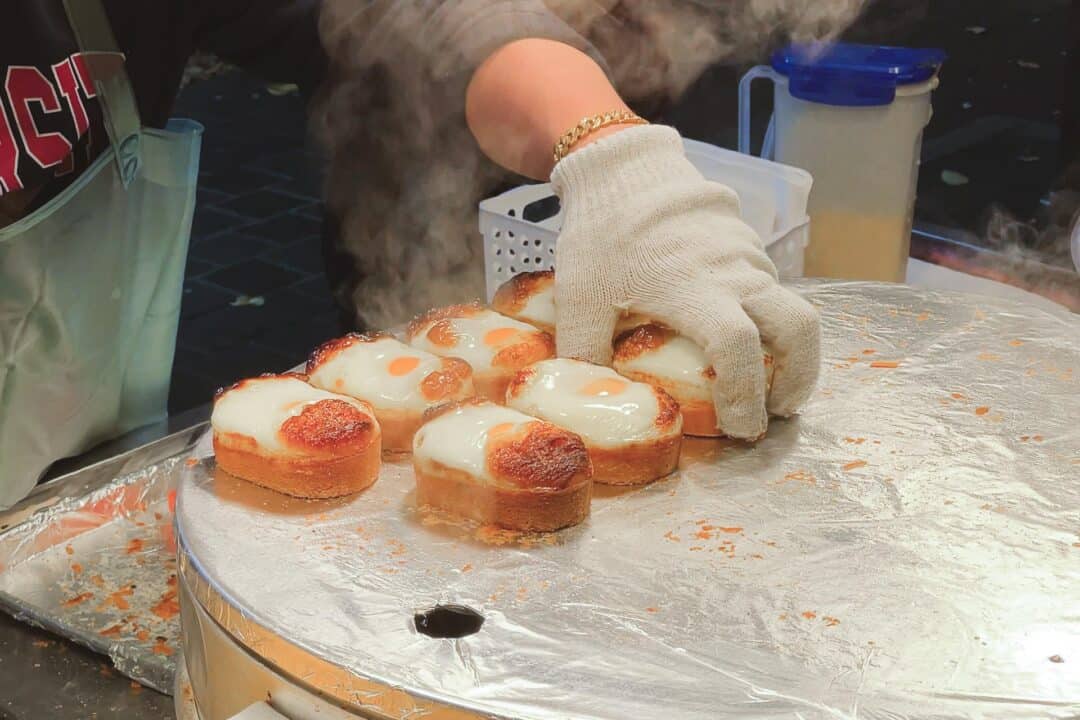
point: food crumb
(98, 580)
(696, 548)
(854, 441)
(42, 643)
(672, 536)
(112, 631)
(783, 616)
(1016, 343)
(143, 635)
(730, 530)
(1037, 438)
(809, 614)
(78, 599)
(800, 476)
(885, 364)
(76, 568)
(989, 357)
(854, 465)
(1056, 659)
(958, 396)
(134, 545)
(869, 351)
(467, 567)
(162, 648)
(982, 410)
(922, 317)
(136, 688)
(831, 621)
(652, 610)
(69, 550)
(191, 462)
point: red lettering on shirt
(9, 156)
(78, 61)
(25, 85)
(64, 72)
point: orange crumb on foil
(885, 364)
(78, 599)
(809, 614)
(982, 410)
(167, 607)
(854, 465)
(831, 621)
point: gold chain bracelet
(589, 125)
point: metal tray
(908, 547)
(92, 557)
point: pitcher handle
(760, 71)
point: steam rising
(404, 174)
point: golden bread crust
(457, 492)
(300, 477)
(637, 464)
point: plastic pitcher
(853, 116)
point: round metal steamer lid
(907, 547)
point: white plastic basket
(772, 196)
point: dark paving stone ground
(255, 296)
(254, 293)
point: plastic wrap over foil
(908, 547)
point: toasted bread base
(636, 464)
(492, 386)
(699, 418)
(457, 492)
(398, 428)
(303, 477)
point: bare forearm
(527, 94)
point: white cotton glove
(644, 232)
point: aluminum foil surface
(93, 558)
(908, 547)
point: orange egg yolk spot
(403, 365)
(604, 386)
(500, 336)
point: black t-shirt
(50, 124)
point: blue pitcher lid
(853, 75)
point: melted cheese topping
(540, 308)
(479, 338)
(678, 365)
(458, 438)
(594, 402)
(385, 372)
(260, 406)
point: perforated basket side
(513, 245)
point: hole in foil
(448, 621)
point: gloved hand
(644, 232)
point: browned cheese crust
(433, 316)
(543, 479)
(514, 294)
(338, 452)
(326, 352)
